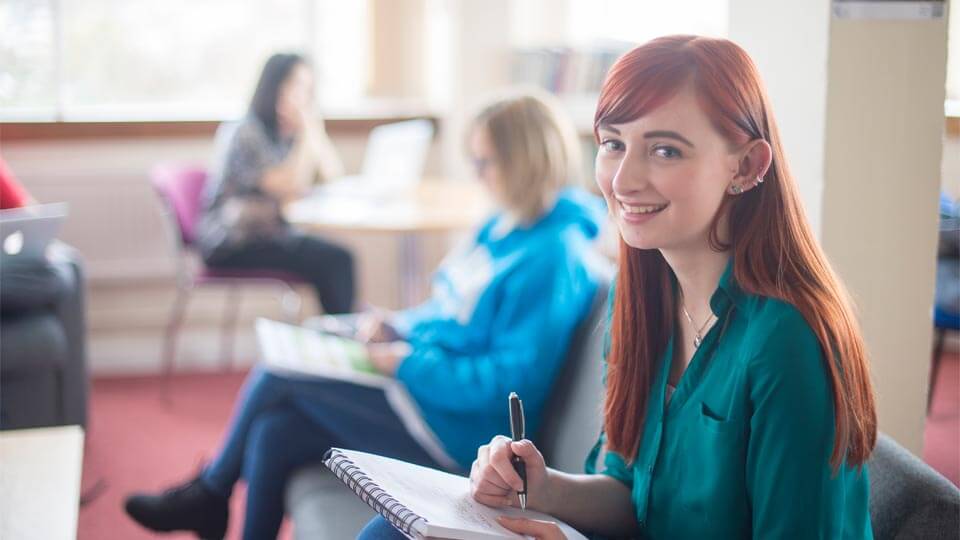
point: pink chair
(180, 190)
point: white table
(40, 482)
(433, 206)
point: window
(176, 59)
(27, 58)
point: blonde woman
(499, 319)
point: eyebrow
(652, 134)
(608, 127)
(667, 135)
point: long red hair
(773, 247)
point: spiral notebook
(424, 502)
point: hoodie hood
(574, 210)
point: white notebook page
(442, 499)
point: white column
(882, 178)
(789, 41)
(480, 47)
(398, 40)
(860, 109)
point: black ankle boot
(188, 507)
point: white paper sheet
(443, 500)
(295, 351)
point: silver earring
(759, 179)
(735, 190)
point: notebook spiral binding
(396, 513)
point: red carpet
(941, 438)
(136, 442)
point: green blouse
(742, 448)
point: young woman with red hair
(739, 401)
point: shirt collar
(727, 293)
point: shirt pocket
(716, 423)
(711, 495)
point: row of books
(564, 70)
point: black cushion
(43, 368)
(31, 285)
(32, 341)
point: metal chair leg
(168, 352)
(410, 286)
(228, 333)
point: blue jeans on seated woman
(380, 529)
(282, 424)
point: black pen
(516, 431)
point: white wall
(479, 41)
(114, 218)
(789, 43)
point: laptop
(392, 162)
(26, 232)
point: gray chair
(572, 425)
(43, 365)
(908, 499)
(321, 507)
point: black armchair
(43, 364)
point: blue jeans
(380, 529)
(282, 424)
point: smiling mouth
(642, 209)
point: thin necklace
(698, 339)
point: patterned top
(236, 210)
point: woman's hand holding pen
(494, 482)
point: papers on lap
(424, 502)
(295, 350)
(298, 352)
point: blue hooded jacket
(499, 320)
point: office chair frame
(187, 281)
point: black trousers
(327, 266)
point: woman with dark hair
(273, 155)
(738, 396)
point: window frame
(27, 122)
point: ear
(752, 165)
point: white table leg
(409, 254)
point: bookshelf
(573, 74)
